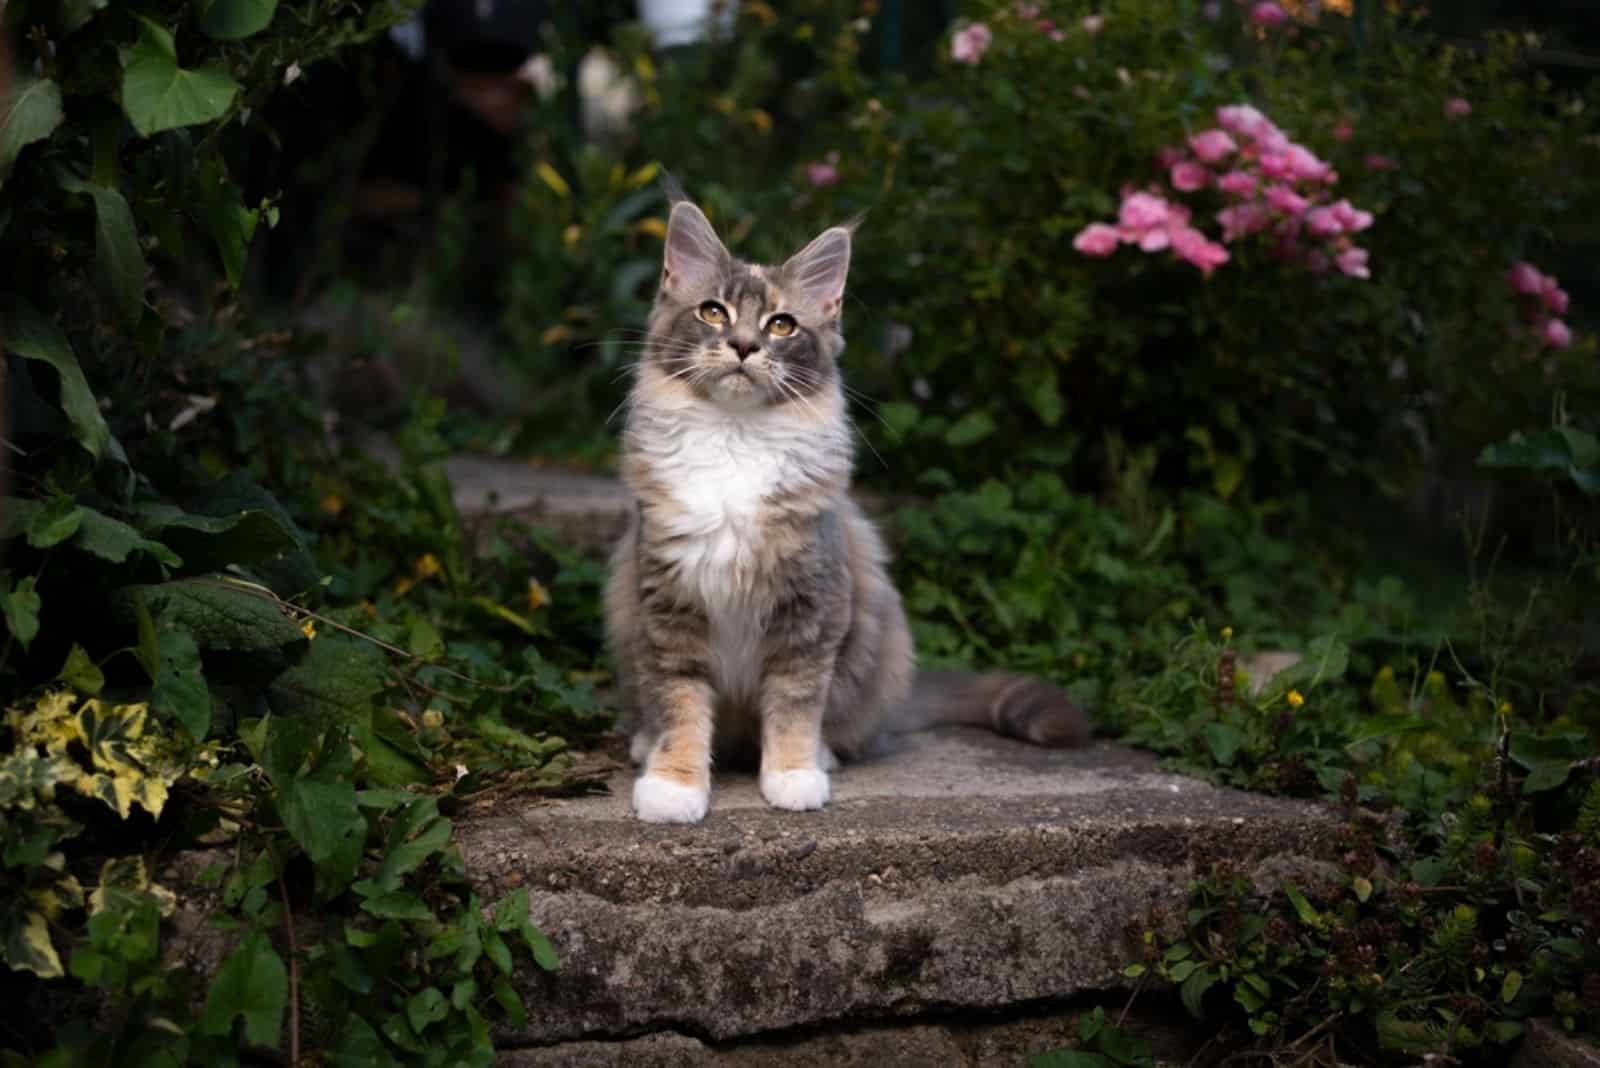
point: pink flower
(1212, 146)
(1093, 24)
(1555, 333)
(1353, 262)
(969, 44)
(1097, 239)
(1282, 198)
(1142, 211)
(1304, 166)
(1194, 247)
(1324, 222)
(821, 174)
(1525, 279)
(1189, 176)
(1238, 183)
(1344, 131)
(1457, 108)
(1555, 298)
(1026, 10)
(1375, 162)
(1244, 120)
(1243, 219)
(1048, 28)
(1267, 13)
(1170, 157)
(1351, 218)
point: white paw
(798, 790)
(658, 800)
(826, 760)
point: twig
(294, 976)
(1132, 995)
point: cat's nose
(744, 349)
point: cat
(749, 607)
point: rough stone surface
(1547, 1046)
(963, 872)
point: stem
(294, 976)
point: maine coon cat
(749, 607)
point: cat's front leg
(793, 759)
(676, 697)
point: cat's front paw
(799, 790)
(660, 800)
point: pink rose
(1344, 131)
(1238, 183)
(1353, 262)
(1243, 219)
(1097, 239)
(969, 44)
(1213, 146)
(1267, 13)
(1189, 176)
(1093, 24)
(1244, 120)
(1555, 298)
(822, 174)
(1170, 157)
(1457, 108)
(1555, 333)
(1304, 166)
(1194, 247)
(1282, 198)
(1142, 211)
(1526, 279)
(1375, 162)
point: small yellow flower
(333, 505)
(653, 226)
(538, 596)
(427, 566)
(402, 585)
(308, 627)
(1227, 633)
(433, 719)
(1295, 699)
(760, 120)
(1505, 708)
(572, 235)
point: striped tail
(1017, 706)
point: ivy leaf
(56, 521)
(234, 20)
(252, 983)
(21, 607)
(157, 94)
(28, 947)
(117, 255)
(34, 114)
(34, 337)
(82, 673)
(180, 690)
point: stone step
(964, 872)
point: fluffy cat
(749, 607)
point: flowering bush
(1327, 233)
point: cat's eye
(713, 313)
(781, 325)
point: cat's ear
(817, 272)
(695, 257)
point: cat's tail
(1017, 706)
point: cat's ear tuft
(695, 257)
(817, 272)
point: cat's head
(741, 335)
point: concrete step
(965, 872)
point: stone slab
(963, 872)
(1547, 1046)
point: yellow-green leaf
(28, 947)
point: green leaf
(1326, 660)
(1194, 989)
(27, 946)
(180, 690)
(252, 983)
(220, 615)
(508, 999)
(416, 834)
(1548, 760)
(1181, 970)
(899, 417)
(81, 673)
(426, 1007)
(75, 13)
(1248, 997)
(400, 905)
(159, 95)
(55, 522)
(1302, 908)
(232, 226)
(1043, 394)
(334, 683)
(214, 542)
(1511, 986)
(511, 914)
(21, 607)
(969, 429)
(1224, 741)
(316, 799)
(34, 337)
(1560, 450)
(234, 20)
(424, 640)
(118, 258)
(1362, 886)
(34, 114)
